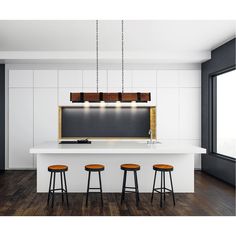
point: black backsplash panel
(105, 122)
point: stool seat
(94, 167)
(58, 168)
(163, 167)
(130, 167)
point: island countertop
(116, 147)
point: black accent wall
(2, 117)
(222, 58)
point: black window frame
(213, 112)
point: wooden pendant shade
(109, 97)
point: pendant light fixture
(81, 97)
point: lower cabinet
(20, 127)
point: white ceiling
(145, 41)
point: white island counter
(112, 154)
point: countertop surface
(116, 147)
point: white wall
(38, 93)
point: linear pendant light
(81, 97)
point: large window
(224, 114)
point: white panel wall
(45, 115)
(45, 78)
(179, 107)
(20, 127)
(175, 93)
(20, 79)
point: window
(224, 114)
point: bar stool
(53, 170)
(94, 168)
(126, 168)
(163, 168)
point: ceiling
(145, 41)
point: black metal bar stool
(57, 169)
(94, 168)
(163, 168)
(126, 168)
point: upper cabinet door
(114, 79)
(190, 78)
(20, 78)
(45, 78)
(144, 79)
(90, 79)
(70, 79)
(167, 79)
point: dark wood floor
(18, 197)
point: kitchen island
(112, 154)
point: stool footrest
(94, 188)
(130, 187)
(128, 191)
(57, 189)
(166, 189)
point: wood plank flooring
(18, 197)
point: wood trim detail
(153, 121)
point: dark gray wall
(222, 58)
(2, 117)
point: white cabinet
(190, 78)
(167, 79)
(45, 115)
(70, 78)
(90, 79)
(190, 113)
(114, 79)
(20, 78)
(20, 127)
(45, 78)
(144, 79)
(64, 96)
(167, 113)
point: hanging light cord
(97, 52)
(122, 49)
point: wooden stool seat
(94, 167)
(130, 167)
(58, 168)
(163, 167)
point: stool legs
(123, 187)
(173, 195)
(135, 187)
(62, 196)
(154, 183)
(88, 185)
(51, 191)
(100, 187)
(100, 183)
(50, 183)
(66, 188)
(162, 190)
